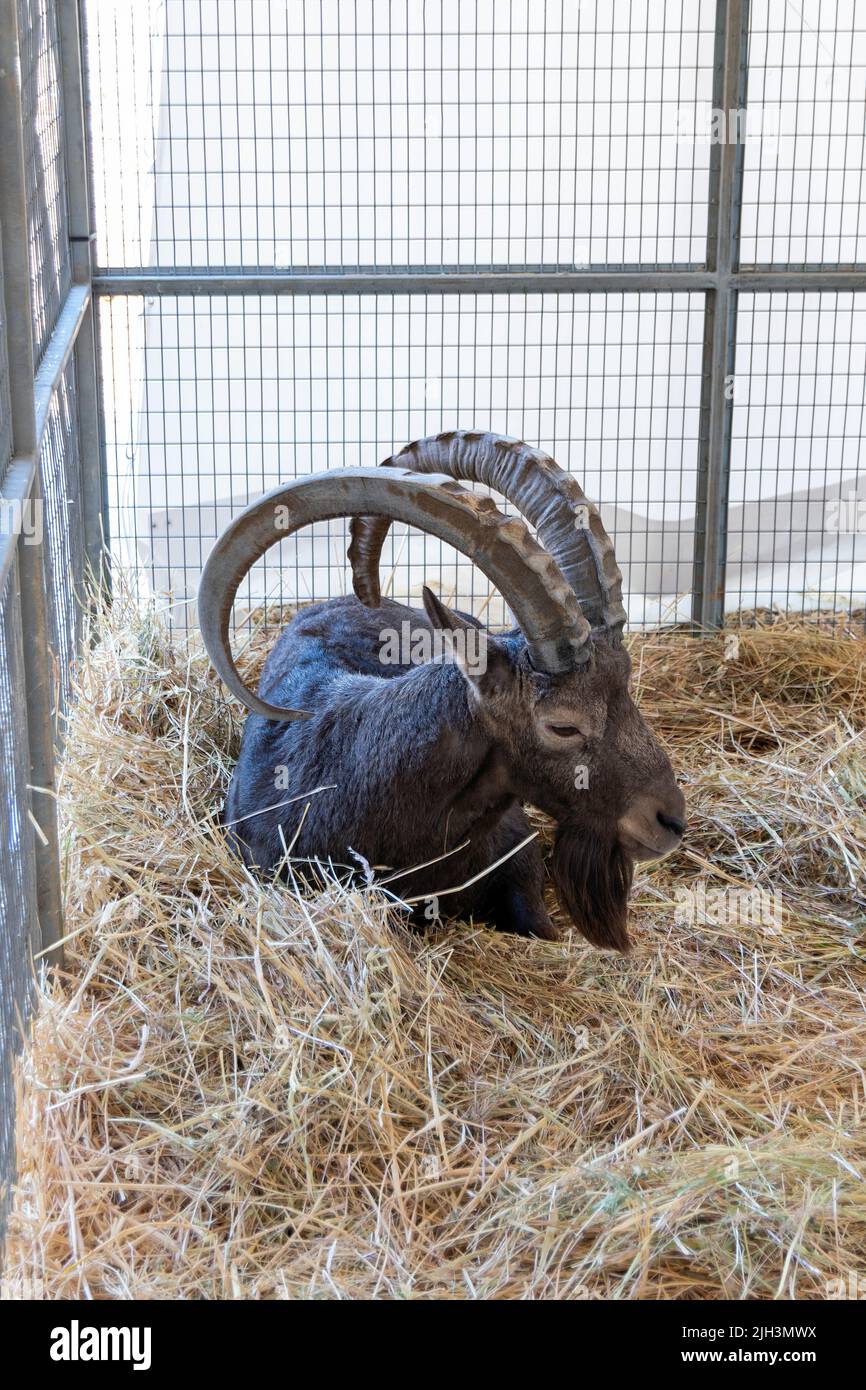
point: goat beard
(592, 875)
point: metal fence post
(40, 686)
(730, 77)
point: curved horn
(556, 632)
(568, 524)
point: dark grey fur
(425, 758)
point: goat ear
(481, 661)
(443, 617)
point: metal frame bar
(60, 347)
(730, 77)
(468, 280)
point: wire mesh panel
(240, 394)
(430, 132)
(18, 926)
(42, 101)
(5, 402)
(17, 898)
(480, 136)
(803, 184)
(797, 510)
(41, 537)
(45, 179)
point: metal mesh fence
(797, 506)
(18, 924)
(802, 199)
(50, 258)
(438, 133)
(261, 144)
(41, 92)
(17, 905)
(237, 394)
(42, 309)
(5, 406)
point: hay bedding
(238, 1093)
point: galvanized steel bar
(785, 278)
(60, 348)
(411, 280)
(466, 280)
(726, 182)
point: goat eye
(564, 730)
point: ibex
(430, 765)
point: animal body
(429, 766)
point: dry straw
(236, 1092)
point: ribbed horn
(557, 634)
(568, 525)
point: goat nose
(671, 823)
